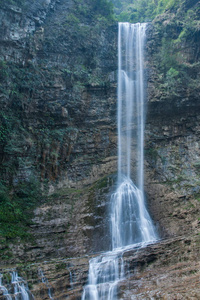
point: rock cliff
(172, 134)
(58, 117)
(58, 146)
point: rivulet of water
(46, 282)
(130, 221)
(4, 289)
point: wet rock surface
(168, 269)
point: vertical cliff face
(172, 131)
(58, 120)
(57, 70)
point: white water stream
(21, 291)
(4, 289)
(46, 282)
(130, 221)
(18, 288)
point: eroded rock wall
(172, 142)
(58, 120)
(58, 68)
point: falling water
(4, 289)
(21, 291)
(130, 221)
(18, 288)
(71, 280)
(46, 282)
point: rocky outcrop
(164, 271)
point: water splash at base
(131, 222)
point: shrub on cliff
(12, 2)
(103, 8)
(142, 10)
(16, 205)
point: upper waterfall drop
(130, 220)
(130, 95)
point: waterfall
(46, 282)
(130, 220)
(131, 225)
(4, 289)
(21, 291)
(18, 288)
(71, 280)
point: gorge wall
(172, 134)
(58, 142)
(58, 111)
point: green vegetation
(83, 27)
(197, 197)
(24, 81)
(103, 8)
(189, 206)
(172, 80)
(13, 2)
(101, 183)
(16, 207)
(21, 139)
(94, 9)
(60, 266)
(175, 69)
(142, 10)
(14, 142)
(151, 154)
(190, 25)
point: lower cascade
(18, 288)
(131, 224)
(4, 289)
